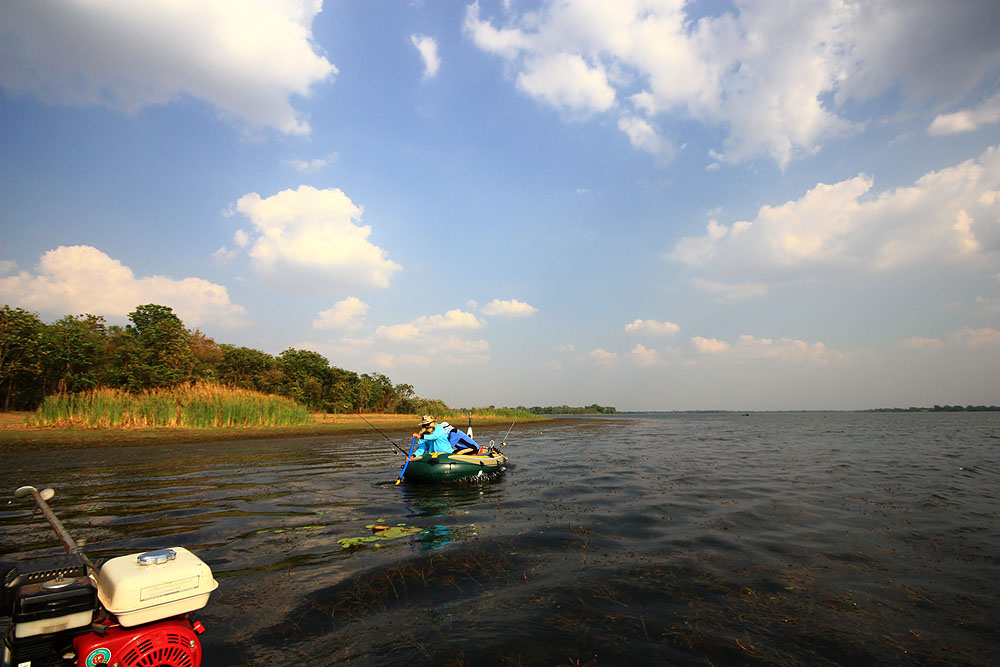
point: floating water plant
(380, 533)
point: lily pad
(390, 533)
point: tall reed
(199, 405)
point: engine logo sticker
(99, 656)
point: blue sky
(652, 205)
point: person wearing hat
(432, 438)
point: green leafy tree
(379, 394)
(20, 357)
(155, 350)
(376, 392)
(345, 393)
(159, 353)
(121, 353)
(73, 352)
(207, 356)
(403, 399)
(307, 377)
(246, 367)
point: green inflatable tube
(448, 467)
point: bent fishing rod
(503, 443)
(509, 430)
(393, 442)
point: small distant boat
(447, 467)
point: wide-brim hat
(427, 420)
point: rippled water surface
(805, 538)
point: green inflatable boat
(467, 460)
(447, 467)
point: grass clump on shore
(197, 405)
(491, 413)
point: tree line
(155, 350)
(944, 408)
(593, 409)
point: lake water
(777, 538)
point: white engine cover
(138, 594)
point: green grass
(199, 405)
(458, 414)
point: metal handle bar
(40, 497)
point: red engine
(170, 643)
(132, 611)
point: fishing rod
(393, 442)
(504, 441)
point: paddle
(413, 443)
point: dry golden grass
(13, 419)
(377, 418)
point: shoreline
(19, 437)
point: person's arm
(421, 447)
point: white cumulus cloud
(920, 343)
(652, 327)
(428, 53)
(82, 279)
(967, 120)
(566, 80)
(644, 356)
(602, 358)
(645, 137)
(730, 291)
(315, 164)
(949, 217)
(510, 308)
(388, 360)
(709, 345)
(982, 337)
(988, 305)
(346, 314)
(456, 350)
(309, 240)
(426, 324)
(439, 339)
(247, 58)
(749, 348)
(774, 77)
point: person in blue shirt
(432, 438)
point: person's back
(461, 443)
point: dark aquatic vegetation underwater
(775, 538)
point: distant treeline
(944, 408)
(82, 353)
(594, 409)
